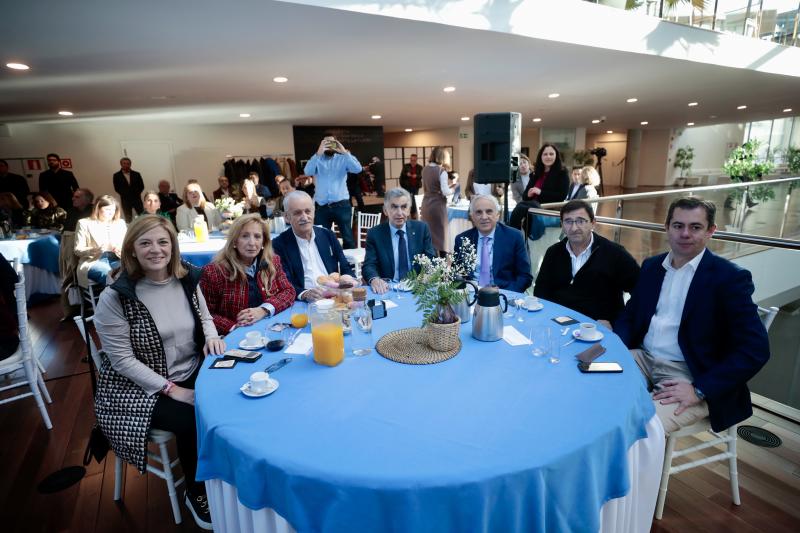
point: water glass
(555, 345)
(361, 339)
(540, 341)
(388, 294)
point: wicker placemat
(408, 346)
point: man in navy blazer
(307, 251)
(392, 245)
(692, 326)
(510, 266)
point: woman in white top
(98, 241)
(194, 205)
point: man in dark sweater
(585, 271)
(58, 182)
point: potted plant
(582, 158)
(793, 163)
(437, 286)
(683, 160)
(743, 165)
(229, 209)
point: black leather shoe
(198, 505)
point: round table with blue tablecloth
(493, 439)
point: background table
(201, 253)
(39, 257)
(491, 440)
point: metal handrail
(690, 190)
(719, 235)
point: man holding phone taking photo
(330, 165)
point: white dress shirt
(313, 267)
(661, 339)
(579, 260)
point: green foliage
(437, 286)
(683, 159)
(793, 162)
(743, 164)
(582, 158)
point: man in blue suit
(392, 245)
(502, 259)
(308, 251)
(692, 326)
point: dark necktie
(402, 255)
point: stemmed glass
(398, 288)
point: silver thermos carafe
(488, 321)
(464, 308)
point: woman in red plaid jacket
(245, 282)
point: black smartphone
(600, 367)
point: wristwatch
(699, 394)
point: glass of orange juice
(299, 315)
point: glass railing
(769, 209)
(770, 20)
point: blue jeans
(340, 212)
(100, 269)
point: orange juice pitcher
(327, 335)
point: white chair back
(96, 354)
(365, 222)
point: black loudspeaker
(497, 146)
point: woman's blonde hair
(440, 156)
(228, 257)
(105, 201)
(589, 176)
(196, 185)
(139, 227)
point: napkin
(389, 304)
(301, 345)
(590, 354)
(513, 337)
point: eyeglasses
(579, 222)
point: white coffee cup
(531, 302)
(588, 330)
(259, 381)
(253, 338)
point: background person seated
(692, 326)
(502, 259)
(194, 205)
(98, 241)
(585, 271)
(392, 245)
(245, 282)
(146, 383)
(152, 205)
(45, 212)
(308, 252)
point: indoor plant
(793, 163)
(437, 285)
(743, 165)
(683, 160)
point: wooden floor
(698, 500)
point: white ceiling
(207, 61)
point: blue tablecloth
(491, 440)
(201, 254)
(41, 252)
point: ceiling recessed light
(712, 116)
(690, 123)
(742, 107)
(376, 117)
(66, 113)
(609, 131)
(596, 121)
(644, 123)
(553, 95)
(537, 119)
(692, 104)
(244, 115)
(632, 100)
(17, 66)
(409, 130)
(280, 79)
(449, 89)
(787, 110)
(228, 155)
(465, 119)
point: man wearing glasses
(585, 271)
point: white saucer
(244, 346)
(272, 386)
(538, 306)
(403, 286)
(577, 334)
